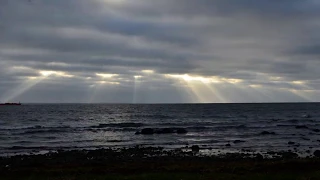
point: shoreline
(201, 150)
(150, 160)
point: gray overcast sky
(152, 51)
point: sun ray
(99, 83)
(136, 86)
(302, 94)
(220, 98)
(22, 88)
(304, 89)
(31, 82)
(200, 87)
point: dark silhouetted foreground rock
(316, 153)
(150, 131)
(195, 148)
(289, 155)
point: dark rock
(181, 131)
(228, 145)
(238, 141)
(304, 138)
(147, 131)
(165, 131)
(301, 127)
(290, 143)
(308, 151)
(289, 155)
(195, 148)
(316, 153)
(259, 156)
(267, 133)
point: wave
(155, 116)
(118, 125)
(35, 127)
(29, 147)
(40, 131)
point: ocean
(37, 128)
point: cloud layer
(169, 51)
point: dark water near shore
(39, 127)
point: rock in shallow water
(238, 141)
(147, 131)
(150, 131)
(164, 131)
(181, 131)
(290, 142)
(267, 133)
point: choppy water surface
(40, 127)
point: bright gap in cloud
(187, 77)
(113, 2)
(148, 71)
(200, 88)
(55, 73)
(106, 75)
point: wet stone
(316, 153)
(195, 148)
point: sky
(152, 51)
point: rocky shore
(141, 160)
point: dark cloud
(271, 47)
